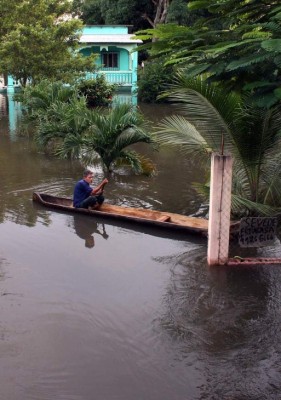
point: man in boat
(86, 196)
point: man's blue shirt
(82, 190)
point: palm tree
(37, 98)
(207, 113)
(60, 119)
(99, 134)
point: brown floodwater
(136, 314)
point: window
(110, 60)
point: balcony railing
(123, 78)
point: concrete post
(220, 206)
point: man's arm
(99, 189)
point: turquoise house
(114, 47)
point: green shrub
(97, 91)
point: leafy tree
(140, 14)
(90, 11)
(152, 80)
(248, 53)
(39, 41)
(253, 136)
(172, 41)
(178, 13)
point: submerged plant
(109, 136)
(67, 127)
(71, 130)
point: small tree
(108, 136)
(38, 41)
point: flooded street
(136, 316)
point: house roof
(119, 38)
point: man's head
(90, 242)
(88, 175)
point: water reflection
(12, 110)
(2, 273)
(86, 228)
(3, 105)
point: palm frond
(71, 147)
(132, 135)
(240, 206)
(271, 177)
(139, 164)
(131, 159)
(207, 107)
(203, 190)
(176, 131)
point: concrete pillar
(220, 206)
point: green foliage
(170, 37)
(90, 12)
(97, 91)
(106, 135)
(110, 135)
(140, 14)
(126, 12)
(235, 42)
(178, 13)
(152, 79)
(38, 42)
(36, 99)
(60, 120)
(251, 135)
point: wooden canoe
(139, 215)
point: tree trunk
(161, 10)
